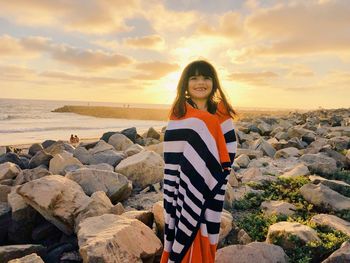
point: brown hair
(204, 68)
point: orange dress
(199, 150)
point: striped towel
(199, 150)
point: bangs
(200, 68)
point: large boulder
(59, 147)
(264, 146)
(253, 252)
(40, 158)
(120, 142)
(60, 161)
(322, 196)
(271, 207)
(31, 258)
(101, 146)
(16, 251)
(319, 163)
(333, 222)
(283, 230)
(116, 186)
(300, 169)
(110, 157)
(114, 238)
(340, 255)
(56, 198)
(28, 175)
(9, 170)
(142, 169)
(287, 152)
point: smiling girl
(199, 148)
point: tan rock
(287, 152)
(144, 216)
(133, 149)
(283, 230)
(31, 258)
(142, 169)
(340, 255)
(158, 212)
(120, 142)
(62, 160)
(113, 238)
(333, 222)
(56, 198)
(322, 196)
(225, 224)
(9, 170)
(253, 252)
(300, 169)
(277, 207)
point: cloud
(88, 17)
(154, 70)
(62, 76)
(229, 25)
(82, 58)
(152, 41)
(255, 78)
(16, 73)
(299, 28)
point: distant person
(72, 139)
(76, 139)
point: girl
(199, 149)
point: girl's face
(199, 86)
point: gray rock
(341, 255)
(16, 251)
(40, 158)
(319, 163)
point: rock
(243, 237)
(296, 143)
(254, 174)
(117, 209)
(319, 163)
(62, 160)
(44, 231)
(322, 196)
(340, 255)
(283, 230)
(144, 216)
(131, 133)
(142, 169)
(277, 207)
(287, 152)
(59, 147)
(13, 158)
(295, 131)
(91, 180)
(340, 143)
(9, 170)
(158, 213)
(143, 201)
(28, 175)
(16, 251)
(107, 135)
(264, 146)
(333, 222)
(31, 258)
(110, 157)
(110, 238)
(120, 142)
(232, 180)
(56, 198)
(158, 148)
(34, 148)
(133, 149)
(336, 185)
(3, 150)
(47, 143)
(150, 141)
(252, 154)
(101, 166)
(342, 162)
(300, 169)
(253, 252)
(4, 191)
(316, 146)
(152, 133)
(239, 193)
(225, 224)
(242, 160)
(82, 154)
(101, 146)
(264, 128)
(99, 204)
(5, 221)
(40, 158)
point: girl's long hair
(204, 68)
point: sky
(270, 54)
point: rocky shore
(287, 199)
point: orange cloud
(255, 78)
(152, 41)
(155, 70)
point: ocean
(29, 121)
